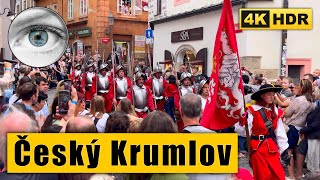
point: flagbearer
(104, 87)
(268, 136)
(86, 83)
(157, 84)
(141, 96)
(122, 84)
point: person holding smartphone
(6, 79)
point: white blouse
(282, 139)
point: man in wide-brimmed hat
(268, 136)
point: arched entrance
(75, 46)
(185, 54)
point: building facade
(185, 30)
(87, 22)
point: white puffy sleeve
(282, 139)
(241, 130)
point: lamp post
(111, 21)
(110, 32)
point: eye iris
(38, 38)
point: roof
(194, 12)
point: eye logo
(38, 37)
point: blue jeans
(242, 144)
(168, 107)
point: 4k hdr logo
(275, 19)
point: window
(129, 7)
(55, 7)
(83, 7)
(70, 9)
(138, 7)
(159, 7)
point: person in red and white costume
(268, 137)
(157, 84)
(186, 84)
(203, 92)
(77, 78)
(104, 87)
(141, 96)
(122, 84)
(86, 82)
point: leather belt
(260, 137)
(159, 98)
(103, 91)
(119, 98)
(141, 110)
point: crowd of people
(283, 117)
(295, 107)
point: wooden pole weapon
(132, 77)
(114, 75)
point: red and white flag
(225, 105)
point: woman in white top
(81, 107)
(203, 92)
(98, 113)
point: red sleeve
(83, 81)
(129, 94)
(165, 92)
(129, 83)
(150, 100)
(165, 83)
(148, 83)
(94, 84)
(111, 87)
(176, 100)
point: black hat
(264, 89)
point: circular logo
(38, 37)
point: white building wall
(4, 26)
(305, 44)
(209, 22)
(264, 43)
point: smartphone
(63, 100)
(67, 85)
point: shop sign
(87, 31)
(187, 35)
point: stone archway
(184, 54)
(74, 47)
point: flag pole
(247, 132)
(132, 77)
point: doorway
(294, 72)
